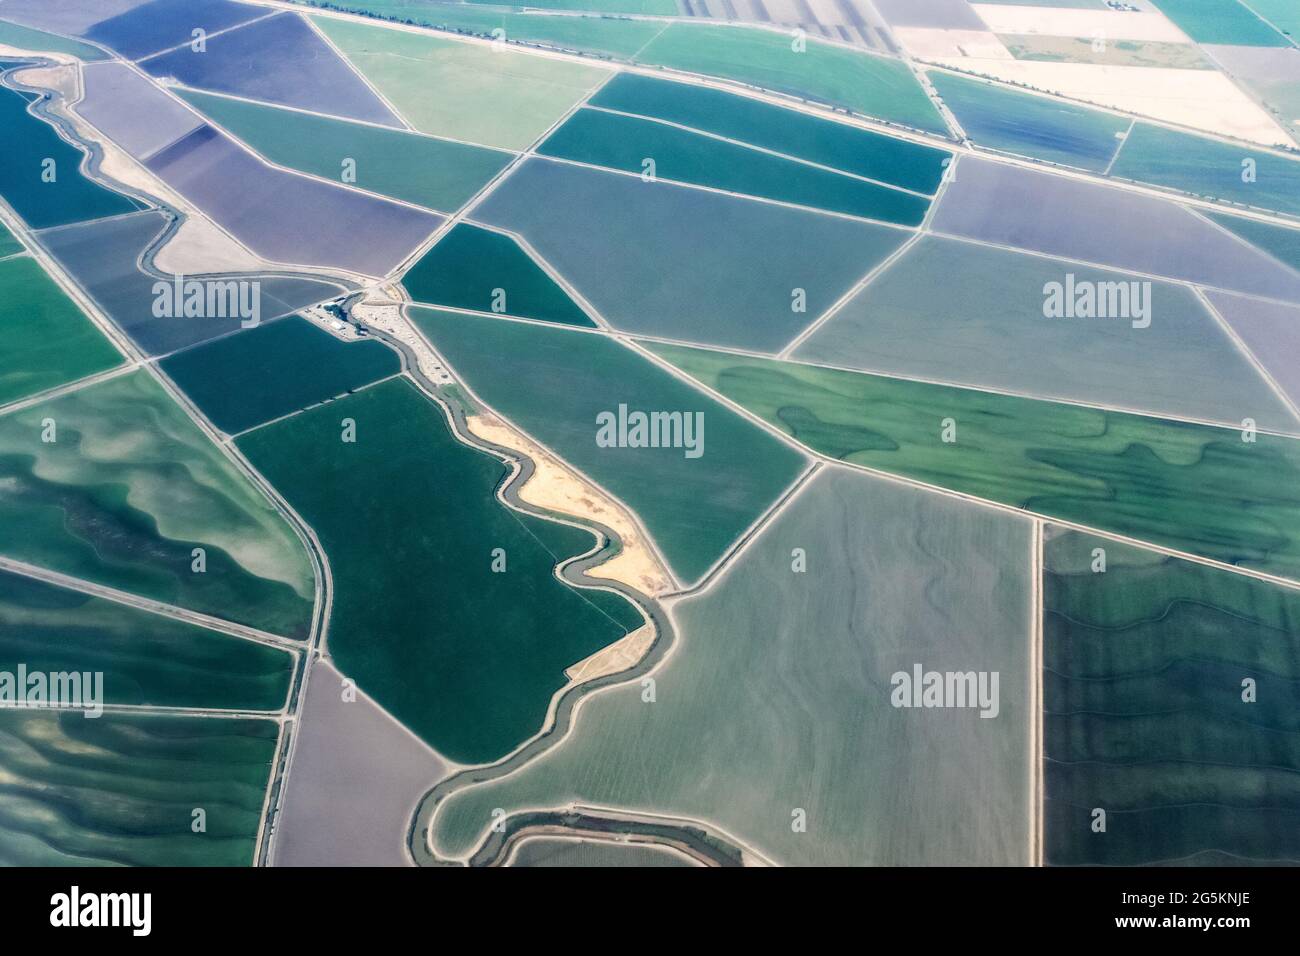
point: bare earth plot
(1271, 73)
(730, 279)
(1095, 223)
(466, 91)
(355, 780)
(279, 60)
(1176, 361)
(777, 697)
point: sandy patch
(929, 44)
(616, 658)
(64, 79)
(1201, 99)
(1059, 22)
(554, 488)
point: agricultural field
(1147, 713)
(1215, 170)
(793, 681)
(471, 663)
(36, 153)
(1029, 125)
(485, 271)
(230, 379)
(433, 173)
(598, 138)
(51, 342)
(650, 433)
(104, 259)
(1024, 210)
(1173, 359)
(823, 73)
(121, 790)
(1175, 484)
(499, 98)
(113, 484)
(145, 659)
(695, 508)
(734, 273)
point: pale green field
(778, 695)
(125, 491)
(466, 91)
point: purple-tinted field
(103, 258)
(279, 60)
(288, 218)
(162, 24)
(63, 16)
(1077, 220)
(131, 111)
(1271, 331)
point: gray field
(726, 279)
(64, 16)
(288, 218)
(356, 778)
(103, 257)
(944, 14)
(1272, 333)
(970, 315)
(778, 696)
(1111, 227)
(1272, 73)
(131, 111)
(559, 851)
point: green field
(1220, 21)
(1029, 125)
(1190, 487)
(624, 142)
(8, 244)
(1209, 168)
(121, 791)
(595, 34)
(833, 75)
(466, 91)
(40, 172)
(465, 656)
(1281, 243)
(474, 268)
(47, 339)
(1144, 716)
(145, 658)
(907, 322)
(1283, 14)
(777, 695)
(666, 8)
(434, 173)
(553, 383)
(259, 374)
(862, 152)
(128, 488)
(25, 38)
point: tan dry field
(619, 656)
